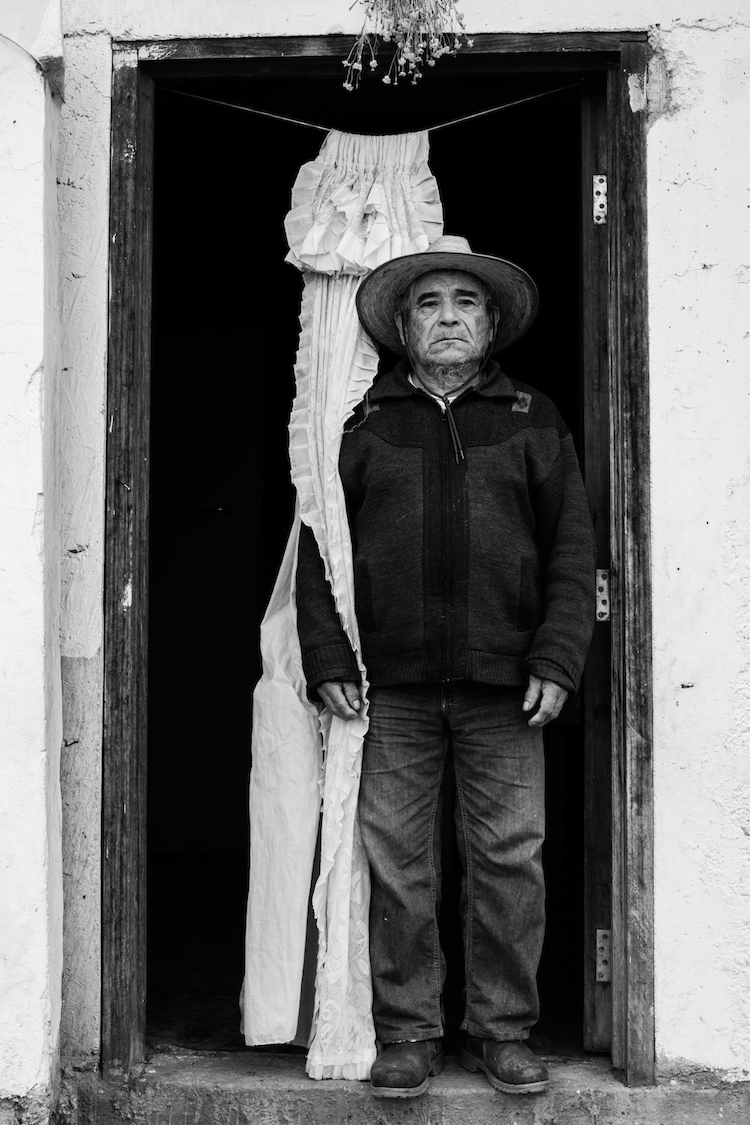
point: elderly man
(474, 587)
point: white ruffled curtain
(363, 201)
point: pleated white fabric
(363, 201)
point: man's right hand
(344, 699)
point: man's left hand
(549, 697)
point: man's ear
(400, 326)
(495, 315)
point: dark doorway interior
(225, 334)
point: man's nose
(448, 313)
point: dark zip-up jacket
(479, 568)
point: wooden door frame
(624, 57)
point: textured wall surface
(183, 18)
(699, 275)
(30, 697)
(83, 176)
(698, 101)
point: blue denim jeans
(499, 767)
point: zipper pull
(458, 449)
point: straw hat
(513, 291)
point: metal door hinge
(602, 595)
(603, 956)
(600, 199)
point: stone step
(249, 1088)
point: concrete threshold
(248, 1088)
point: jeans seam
(436, 948)
(469, 877)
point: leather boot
(511, 1067)
(402, 1070)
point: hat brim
(514, 293)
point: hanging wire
(326, 129)
(249, 109)
(497, 108)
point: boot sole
(437, 1065)
(472, 1063)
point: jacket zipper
(445, 428)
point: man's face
(448, 322)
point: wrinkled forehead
(446, 281)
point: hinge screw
(600, 200)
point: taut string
(325, 129)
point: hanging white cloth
(363, 201)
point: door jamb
(125, 731)
(126, 527)
(633, 1046)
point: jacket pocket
(527, 596)
(363, 599)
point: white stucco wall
(164, 19)
(83, 187)
(30, 696)
(699, 263)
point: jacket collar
(395, 384)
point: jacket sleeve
(558, 651)
(326, 652)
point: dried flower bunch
(421, 30)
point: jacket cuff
(330, 662)
(549, 670)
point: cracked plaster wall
(699, 258)
(168, 19)
(30, 691)
(698, 100)
(83, 187)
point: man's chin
(449, 356)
